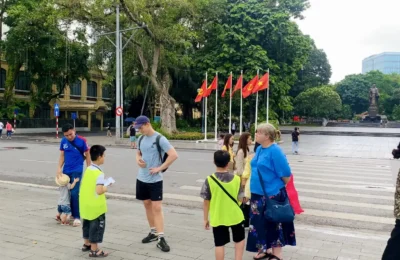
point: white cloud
(351, 30)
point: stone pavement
(28, 231)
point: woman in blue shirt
(274, 168)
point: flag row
(253, 86)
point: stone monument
(373, 113)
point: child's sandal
(98, 253)
(86, 248)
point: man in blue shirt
(149, 183)
(74, 151)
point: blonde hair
(267, 129)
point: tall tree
(354, 91)
(255, 34)
(37, 44)
(315, 72)
(318, 102)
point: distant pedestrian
(109, 130)
(228, 146)
(73, 152)
(64, 201)
(1, 130)
(221, 208)
(154, 155)
(9, 130)
(233, 128)
(132, 135)
(295, 140)
(93, 204)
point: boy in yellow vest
(221, 192)
(92, 203)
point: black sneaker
(150, 238)
(162, 244)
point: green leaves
(318, 102)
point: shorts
(133, 139)
(64, 209)
(221, 234)
(93, 230)
(149, 191)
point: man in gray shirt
(152, 149)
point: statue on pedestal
(373, 96)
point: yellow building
(87, 98)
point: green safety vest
(91, 205)
(223, 211)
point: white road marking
(344, 181)
(346, 194)
(343, 176)
(345, 203)
(38, 161)
(348, 216)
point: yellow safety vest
(223, 211)
(91, 205)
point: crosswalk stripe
(348, 216)
(341, 169)
(355, 187)
(343, 181)
(346, 194)
(345, 203)
(300, 173)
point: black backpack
(157, 143)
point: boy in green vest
(221, 201)
(92, 203)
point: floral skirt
(264, 234)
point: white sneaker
(76, 223)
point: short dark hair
(67, 127)
(221, 158)
(96, 151)
(295, 128)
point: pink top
(8, 127)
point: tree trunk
(167, 111)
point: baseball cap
(141, 120)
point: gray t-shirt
(151, 156)
(65, 195)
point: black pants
(246, 213)
(392, 251)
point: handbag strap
(76, 147)
(227, 193)
(261, 180)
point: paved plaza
(344, 183)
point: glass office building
(387, 63)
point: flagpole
(216, 108)
(205, 114)
(241, 104)
(230, 107)
(256, 123)
(268, 98)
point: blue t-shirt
(151, 156)
(273, 165)
(73, 160)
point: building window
(22, 83)
(2, 78)
(92, 89)
(106, 92)
(76, 89)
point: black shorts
(221, 234)
(94, 229)
(149, 191)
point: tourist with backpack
(154, 155)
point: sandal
(58, 218)
(86, 248)
(274, 257)
(77, 223)
(265, 256)
(98, 253)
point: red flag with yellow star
(248, 89)
(201, 92)
(262, 84)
